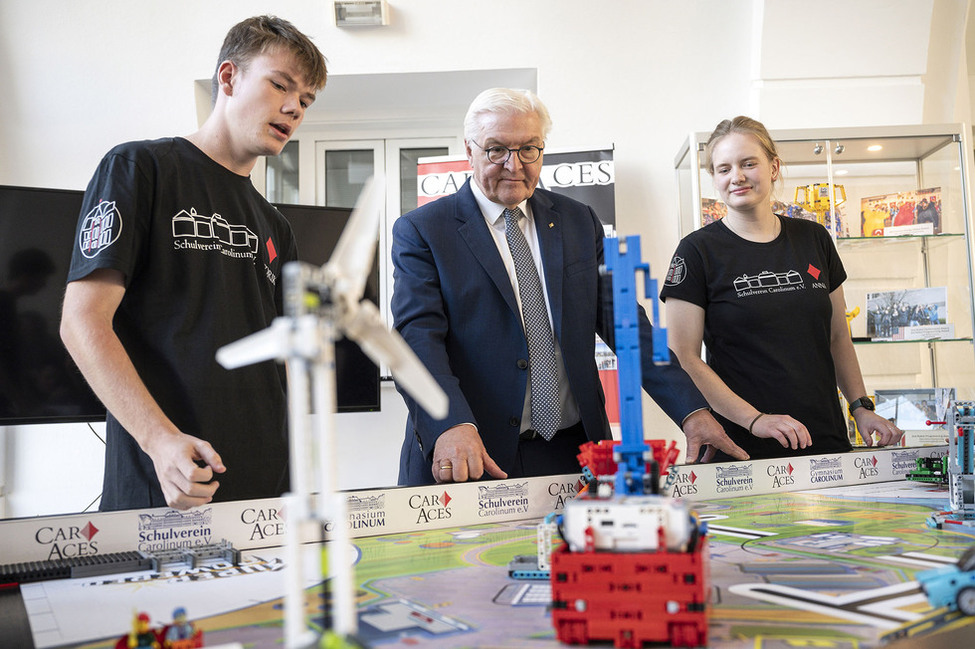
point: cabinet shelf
(944, 236)
(911, 342)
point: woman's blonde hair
(740, 124)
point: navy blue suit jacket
(454, 304)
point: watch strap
(862, 402)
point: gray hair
(505, 100)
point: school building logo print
(676, 272)
(100, 228)
(213, 233)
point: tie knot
(511, 217)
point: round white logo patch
(100, 229)
(677, 272)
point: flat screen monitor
(317, 231)
(39, 382)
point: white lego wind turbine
(322, 304)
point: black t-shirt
(767, 324)
(202, 253)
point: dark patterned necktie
(538, 331)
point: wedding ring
(446, 466)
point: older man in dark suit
(497, 291)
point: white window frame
(386, 156)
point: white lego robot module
(627, 524)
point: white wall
(867, 62)
(52, 469)
(79, 77)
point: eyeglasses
(499, 154)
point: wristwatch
(862, 402)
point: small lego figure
(141, 635)
(181, 628)
(182, 634)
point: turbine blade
(366, 328)
(351, 260)
(267, 344)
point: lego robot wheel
(966, 600)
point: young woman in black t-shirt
(764, 293)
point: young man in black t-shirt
(176, 255)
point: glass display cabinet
(897, 200)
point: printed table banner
(250, 524)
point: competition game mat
(826, 568)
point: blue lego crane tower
(623, 262)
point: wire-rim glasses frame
(499, 155)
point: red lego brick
(598, 456)
(631, 599)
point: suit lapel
(474, 231)
(548, 226)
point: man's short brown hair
(259, 34)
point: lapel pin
(551, 225)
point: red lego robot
(633, 566)
(631, 598)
